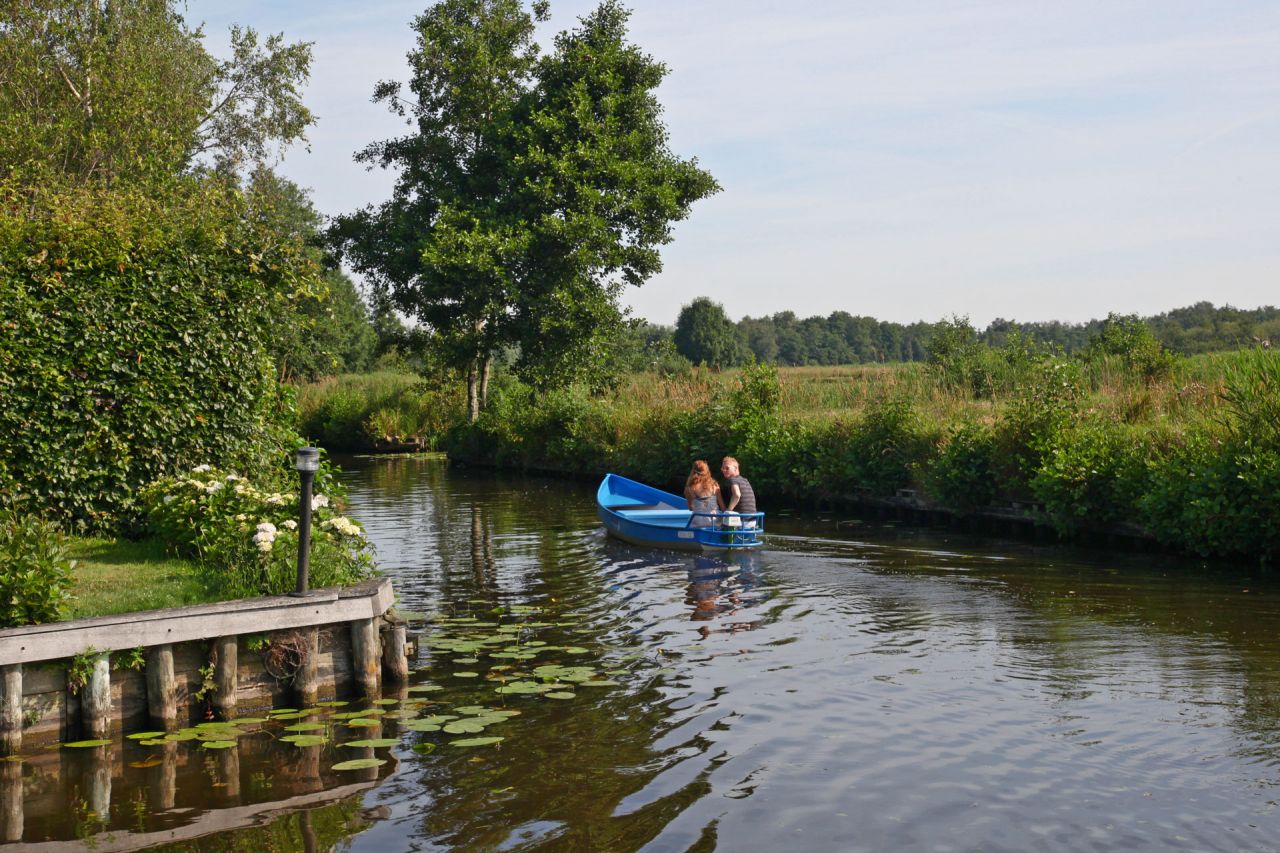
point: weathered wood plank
(227, 651)
(162, 691)
(11, 709)
(152, 628)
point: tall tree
(530, 192)
(705, 335)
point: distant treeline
(704, 334)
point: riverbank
(1188, 458)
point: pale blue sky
(908, 160)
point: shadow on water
(851, 687)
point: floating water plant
(86, 744)
(376, 743)
(217, 744)
(359, 764)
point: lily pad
(425, 688)
(424, 748)
(471, 709)
(305, 740)
(464, 727)
(159, 742)
(336, 703)
(359, 764)
(602, 682)
(145, 735)
(466, 660)
(217, 744)
(363, 723)
(467, 674)
(420, 726)
(560, 694)
(86, 744)
(386, 701)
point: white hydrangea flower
(343, 525)
(275, 499)
(231, 478)
(242, 517)
(289, 525)
(201, 469)
(213, 487)
(319, 501)
(264, 541)
(267, 527)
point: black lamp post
(307, 462)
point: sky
(904, 160)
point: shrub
(245, 536)
(961, 475)
(133, 342)
(1087, 476)
(35, 582)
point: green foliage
(134, 342)
(959, 359)
(1128, 338)
(36, 573)
(1252, 396)
(962, 475)
(126, 92)
(135, 658)
(1215, 496)
(1031, 423)
(80, 669)
(1090, 475)
(705, 335)
(366, 412)
(531, 192)
(246, 537)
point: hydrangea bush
(246, 537)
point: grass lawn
(118, 576)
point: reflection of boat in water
(643, 515)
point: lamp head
(308, 459)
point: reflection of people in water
(716, 588)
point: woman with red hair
(702, 493)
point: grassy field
(117, 576)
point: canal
(853, 686)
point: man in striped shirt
(738, 494)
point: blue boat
(643, 515)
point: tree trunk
(473, 396)
(485, 371)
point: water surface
(851, 687)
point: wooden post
(306, 686)
(364, 657)
(95, 712)
(162, 688)
(11, 815)
(227, 650)
(11, 709)
(395, 664)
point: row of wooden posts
(373, 657)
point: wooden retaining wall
(256, 653)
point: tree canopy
(531, 190)
(705, 335)
(114, 91)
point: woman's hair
(700, 481)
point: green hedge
(133, 342)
